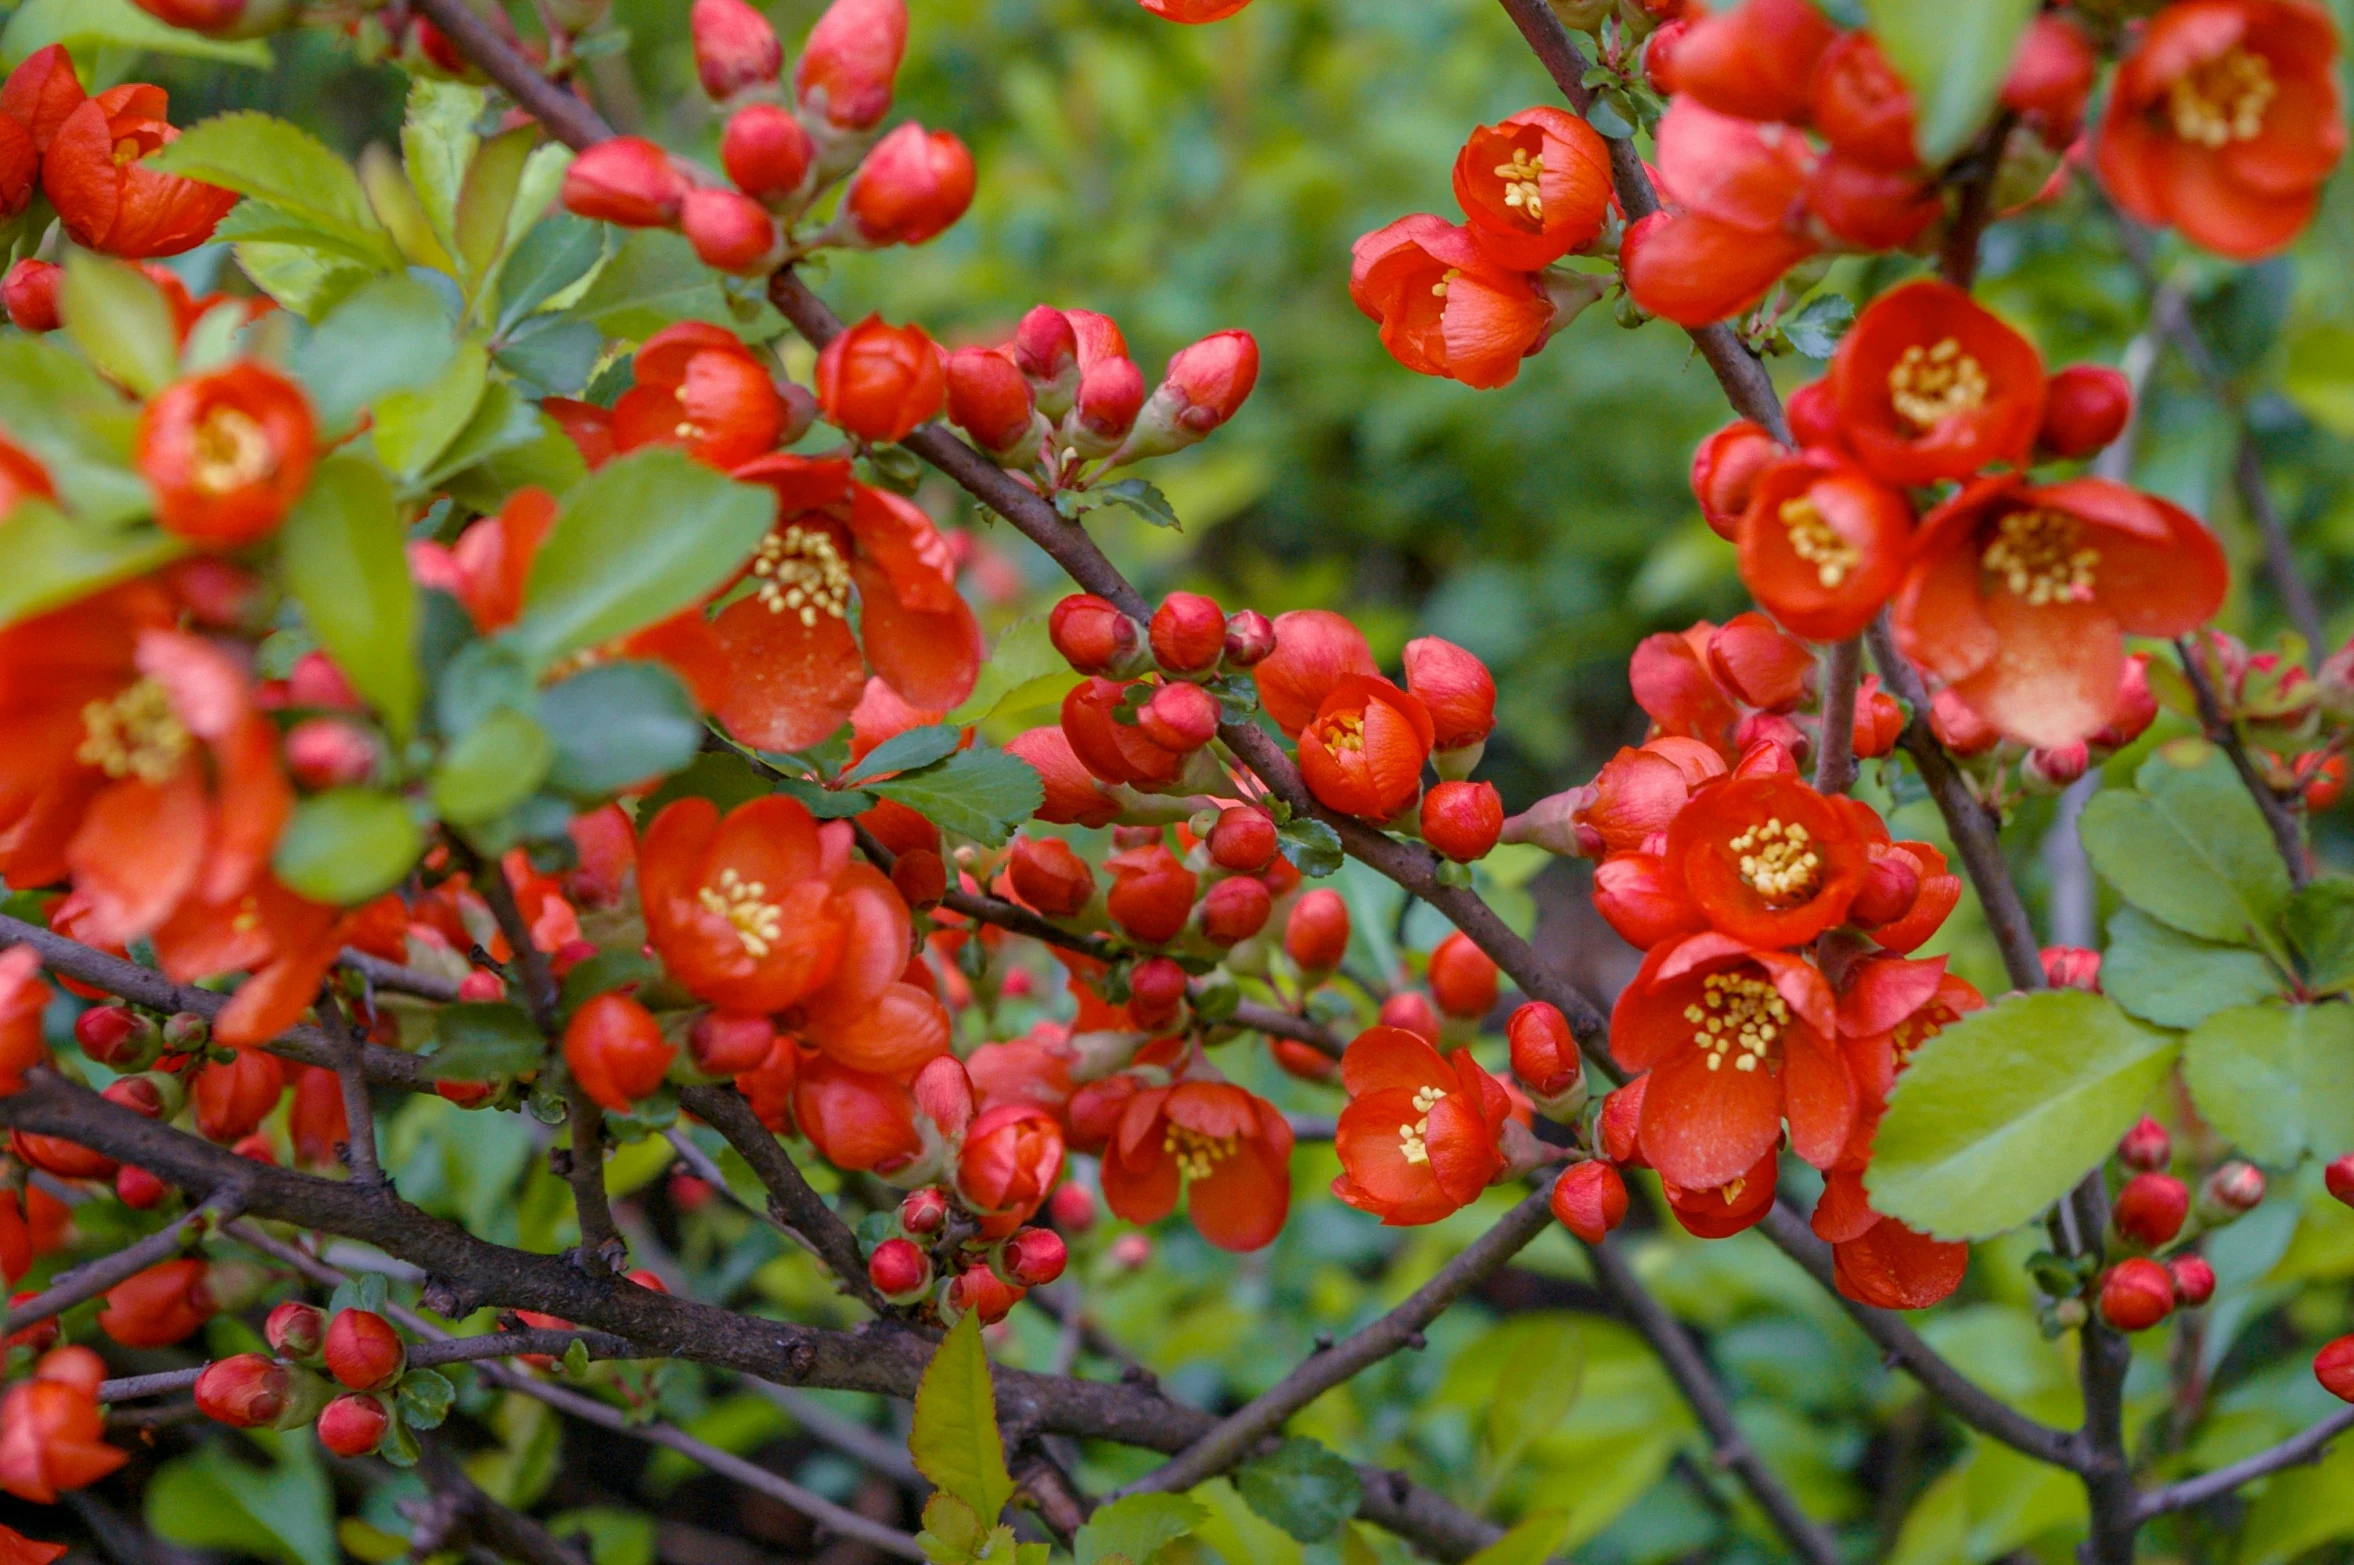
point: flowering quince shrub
(529, 815)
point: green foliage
(2278, 1080)
(2164, 976)
(48, 559)
(89, 27)
(121, 320)
(1312, 847)
(1136, 1528)
(343, 554)
(390, 335)
(2002, 1113)
(281, 1511)
(288, 170)
(491, 768)
(2187, 846)
(484, 1041)
(1302, 1487)
(53, 405)
(617, 724)
(1954, 58)
(1530, 1543)
(348, 844)
(955, 1442)
(2320, 923)
(978, 793)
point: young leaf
(1954, 57)
(2187, 845)
(955, 1442)
(2277, 1079)
(415, 427)
(2001, 1113)
(978, 793)
(1312, 846)
(391, 335)
(120, 319)
(485, 199)
(344, 560)
(637, 541)
(1144, 498)
(484, 1041)
(87, 26)
(437, 145)
(1137, 1527)
(291, 170)
(425, 1396)
(1815, 330)
(47, 561)
(602, 974)
(2162, 975)
(57, 407)
(617, 724)
(1530, 1543)
(347, 845)
(553, 256)
(1303, 1487)
(918, 747)
(498, 764)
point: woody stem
(1835, 747)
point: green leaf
(1953, 57)
(721, 776)
(345, 563)
(907, 752)
(1530, 1543)
(1138, 1527)
(1144, 498)
(2320, 924)
(602, 974)
(1303, 1487)
(287, 168)
(391, 335)
(637, 541)
(56, 407)
(978, 793)
(617, 724)
(496, 765)
(1538, 1383)
(2001, 1113)
(955, 1441)
(425, 1396)
(554, 255)
(347, 845)
(651, 281)
(827, 804)
(484, 200)
(484, 1041)
(1816, 329)
(413, 428)
(555, 354)
(399, 1445)
(502, 421)
(2164, 976)
(213, 1500)
(86, 26)
(481, 678)
(1312, 846)
(2279, 1080)
(2300, 1509)
(437, 145)
(615, 1536)
(48, 560)
(2187, 845)
(120, 319)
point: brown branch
(455, 1512)
(96, 1277)
(550, 1341)
(791, 1201)
(2301, 1449)
(2279, 819)
(381, 974)
(351, 1077)
(1843, 663)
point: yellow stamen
(1197, 1155)
(137, 734)
(1754, 1017)
(1439, 288)
(1410, 1137)
(801, 571)
(1930, 385)
(759, 923)
(232, 451)
(1777, 861)
(1815, 541)
(2222, 100)
(2037, 555)
(1521, 191)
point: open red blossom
(1013, 1153)
(1314, 650)
(2051, 75)
(1639, 897)
(1724, 468)
(108, 200)
(1417, 1141)
(1445, 306)
(1722, 1210)
(1929, 385)
(1230, 1151)
(1735, 1040)
(51, 1430)
(1669, 676)
(1756, 61)
(1363, 753)
(1767, 859)
(1823, 545)
(1879, 1261)
(795, 672)
(23, 997)
(1535, 187)
(698, 387)
(228, 453)
(1193, 12)
(2020, 597)
(285, 941)
(2225, 121)
(1859, 104)
(1734, 220)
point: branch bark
(2287, 835)
(791, 1200)
(96, 1277)
(1843, 663)
(2301, 1449)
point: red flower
(1417, 1141)
(1861, 106)
(1752, 658)
(228, 454)
(1877, 1260)
(2225, 121)
(848, 62)
(1930, 386)
(1152, 893)
(627, 180)
(1535, 187)
(1457, 690)
(1363, 753)
(1314, 650)
(698, 387)
(764, 150)
(731, 232)
(1073, 796)
(857, 1120)
(912, 187)
(1638, 792)
(23, 997)
(1735, 1041)
(51, 1428)
(1725, 466)
(1823, 545)
(1768, 860)
(1445, 306)
(794, 671)
(232, 1098)
(1112, 750)
(2020, 597)
(1756, 60)
(615, 1049)
(1462, 820)
(285, 941)
(1193, 12)
(1733, 223)
(1640, 898)
(1230, 1150)
(1013, 1153)
(1720, 1211)
(879, 382)
(735, 48)
(91, 171)
(164, 1304)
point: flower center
(1731, 1190)
(1439, 289)
(1930, 385)
(759, 923)
(1813, 540)
(1520, 178)
(1410, 1142)
(2036, 553)
(1778, 861)
(1197, 1155)
(1738, 1017)
(802, 572)
(1343, 731)
(134, 735)
(2222, 100)
(232, 451)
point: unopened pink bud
(2146, 1146)
(1180, 717)
(2150, 1209)
(731, 232)
(2194, 1279)
(327, 752)
(765, 151)
(900, 1271)
(735, 48)
(1250, 637)
(627, 180)
(1073, 1208)
(296, 1330)
(1234, 910)
(989, 398)
(1033, 1257)
(924, 1211)
(245, 1391)
(2232, 1190)
(850, 60)
(1111, 392)
(353, 1425)
(1244, 839)
(2072, 967)
(30, 293)
(363, 1351)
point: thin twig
(351, 1076)
(96, 1277)
(454, 1511)
(2301, 1449)
(539, 1341)
(1843, 663)
(2287, 835)
(795, 1205)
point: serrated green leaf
(48, 560)
(651, 281)
(121, 319)
(602, 974)
(907, 752)
(2277, 1079)
(618, 724)
(2320, 924)
(85, 26)
(287, 168)
(413, 428)
(484, 1041)
(1137, 1527)
(1530, 1543)
(551, 257)
(1816, 329)
(494, 766)
(390, 335)
(979, 793)
(637, 541)
(1144, 498)
(308, 282)
(2187, 845)
(347, 845)
(827, 804)
(2002, 1113)
(955, 1441)
(399, 1445)
(1954, 57)
(1302, 1487)
(425, 1396)
(345, 563)
(2162, 975)
(437, 145)
(1312, 846)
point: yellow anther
(801, 571)
(1815, 541)
(2222, 100)
(137, 734)
(2039, 556)
(1778, 862)
(1439, 288)
(1521, 191)
(1930, 385)
(759, 923)
(232, 450)
(1197, 1155)
(1755, 1017)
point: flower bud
(1760, 663)
(1046, 351)
(912, 187)
(2194, 1280)
(764, 150)
(353, 1425)
(2136, 1295)
(2051, 75)
(1617, 1127)
(1073, 1208)
(1131, 1252)
(30, 293)
(1181, 717)
(138, 1189)
(118, 1037)
(1879, 721)
(731, 232)
(186, 1032)
(1958, 728)
(2339, 1178)
(2230, 1192)
(924, 1211)
(1152, 892)
(327, 752)
(1250, 636)
(900, 1271)
(363, 1351)
(2150, 1209)
(1155, 989)
(921, 877)
(1462, 977)
(726, 1043)
(1316, 935)
(1244, 839)
(1188, 633)
(1725, 468)
(1411, 1009)
(615, 1049)
(167, 1303)
(880, 382)
(1456, 688)
(482, 985)
(1203, 387)
(982, 1292)
(1032, 1257)
(2333, 1366)
(1234, 910)
(253, 1391)
(1092, 635)
(296, 1330)
(2073, 967)
(2136, 707)
(735, 48)
(1111, 393)
(1049, 876)
(628, 181)
(2047, 771)
(1545, 1058)
(1590, 1199)
(990, 399)
(849, 60)
(2085, 407)
(315, 681)
(1892, 884)
(1462, 820)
